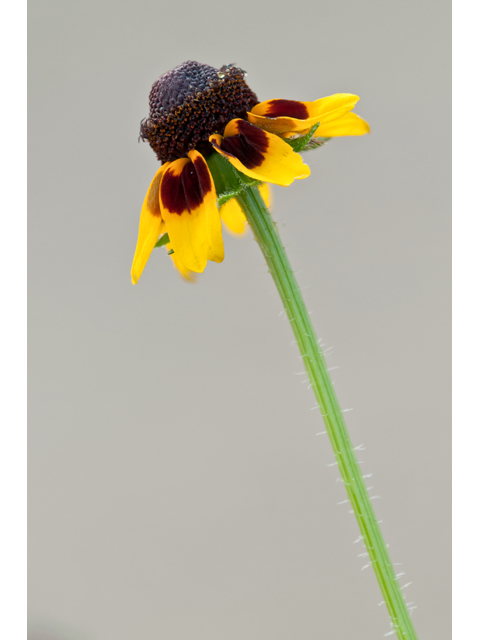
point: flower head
(196, 112)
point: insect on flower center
(189, 103)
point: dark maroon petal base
(185, 192)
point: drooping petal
(284, 108)
(181, 268)
(188, 205)
(259, 154)
(348, 125)
(233, 217)
(334, 107)
(151, 225)
(289, 117)
(283, 116)
(266, 193)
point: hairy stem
(269, 241)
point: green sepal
(163, 241)
(315, 143)
(306, 142)
(229, 182)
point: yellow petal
(259, 154)
(334, 107)
(348, 125)
(282, 125)
(233, 217)
(290, 117)
(283, 116)
(151, 225)
(181, 268)
(266, 193)
(188, 205)
(283, 108)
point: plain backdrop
(177, 486)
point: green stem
(267, 237)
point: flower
(196, 111)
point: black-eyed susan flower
(197, 111)
(219, 148)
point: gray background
(177, 487)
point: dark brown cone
(189, 103)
